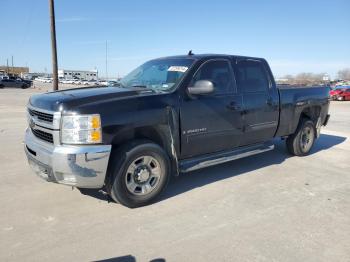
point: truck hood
(67, 99)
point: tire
(301, 142)
(138, 173)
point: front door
(212, 123)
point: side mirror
(201, 87)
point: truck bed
(295, 100)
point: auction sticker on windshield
(181, 69)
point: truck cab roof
(210, 56)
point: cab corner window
(251, 77)
(219, 73)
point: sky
(294, 36)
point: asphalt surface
(268, 207)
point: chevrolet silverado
(169, 116)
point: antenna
(190, 52)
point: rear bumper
(82, 166)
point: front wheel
(139, 172)
(301, 142)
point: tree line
(312, 78)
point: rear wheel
(139, 172)
(301, 142)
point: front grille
(41, 116)
(43, 135)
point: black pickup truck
(169, 116)
(15, 82)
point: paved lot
(269, 207)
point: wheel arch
(151, 133)
(312, 113)
(161, 135)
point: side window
(251, 76)
(219, 72)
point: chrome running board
(191, 164)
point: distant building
(78, 74)
(16, 70)
(326, 78)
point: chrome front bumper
(82, 166)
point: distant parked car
(47, 80)
(113, 83)
(44, 79)
(76, 82)
(84, 82)
(67, 81)
(340, 93)
(104, 83)
(16, 83)
(38, 79)
(93, 82)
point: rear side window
(251, 76)
(219, 72)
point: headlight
(81, 129)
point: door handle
(233, 106)
(269, 102)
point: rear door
(260, 101)
(211, 123)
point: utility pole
(7, 65)
(12, 66)
(106, 63)
(53, 45)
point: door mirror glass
(201, 87)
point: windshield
(159, 74)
